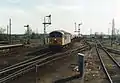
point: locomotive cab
(55, 39)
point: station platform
(10, 46)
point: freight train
(59, 39)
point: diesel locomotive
(59, 39)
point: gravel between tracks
(93, 71)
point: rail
(103, 65)
(112, 58)
(23, 67)
(102, 62)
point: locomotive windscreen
(55, 34)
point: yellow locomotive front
(55, 39)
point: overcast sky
(94, 14)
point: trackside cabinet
(81, 64)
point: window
(55, 34)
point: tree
(33, 35)
(28, 34)
(2, 34)
(28, 31)
(2, 30)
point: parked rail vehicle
(59, 39)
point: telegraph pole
(90, 31)
(10, 30)
(75, 27)
(91, 34)
(113, 30)
(47, 21)
(108, 31)
(7, 33)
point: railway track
(12, 57)
(19, 69)
(112, 50)
(115, 51)
(109, 64)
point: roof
(61, 31)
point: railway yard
(59, 41)
(38, 64)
